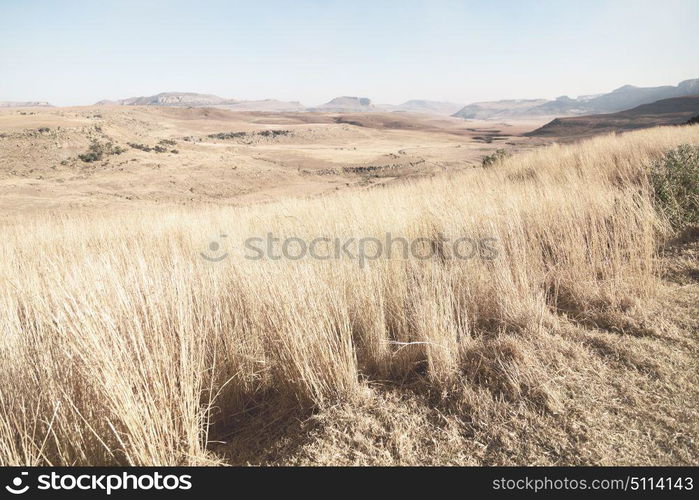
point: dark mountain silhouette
(673, 111)
(625, 97)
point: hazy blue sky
(77, 52)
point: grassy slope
(631, 398)
(121, 345)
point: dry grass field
(120, 344)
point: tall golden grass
(121, 345)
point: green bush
(98, 150)
(227, 135)
(675, 180)
(141, 147)
(94, 153)
(496, 157)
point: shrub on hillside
(144, 147)
(99, 150)
(496, 157)
(141, 147)
(675, 179)
(227, 135)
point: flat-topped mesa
(347, 104)
(171, 99)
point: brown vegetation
(121, 345)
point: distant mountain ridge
(24, 104)
(672, 111)
(343, 104)
(424, 106)
(270, 105)
(625, 97)
(171, 99)
(499, 109)
(193, 99)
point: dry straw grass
(120, 345)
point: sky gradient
(79, 52)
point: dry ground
(318, 153)
(120, 345)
